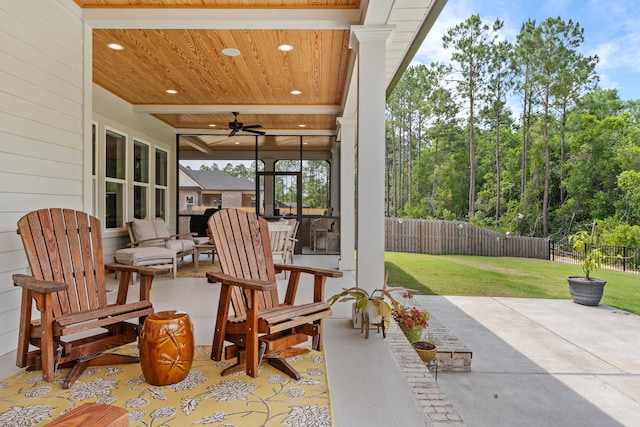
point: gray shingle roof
(219, 180)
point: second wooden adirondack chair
(262, 329)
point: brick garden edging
(436, 408)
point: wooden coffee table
(203, 248)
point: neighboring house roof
(214, 180)
(186, 182)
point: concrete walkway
(542, 362)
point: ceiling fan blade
(259, 132)
(252, 126)
(233, 132)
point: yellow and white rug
(203, 397)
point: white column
(347, 261)
(370, 43)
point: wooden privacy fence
(458, 238)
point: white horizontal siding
(41, 128)
(42, 124)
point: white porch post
(369, 42)
(347, 260)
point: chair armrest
(41, 286)
(225, 279)
(310, 270)
(144, 271)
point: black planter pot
(586, 291)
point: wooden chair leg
(46, 341)
(24, 329)
(283, 366)
(99, 360)
(221, 323)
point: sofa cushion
(143, 229)
(180, 245)
(160, 227)
(144, 255)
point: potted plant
(369, 308)
(586, 290)
(426, 348)
(411, 320)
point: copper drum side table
(166, 347)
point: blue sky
(611, 31)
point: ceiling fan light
(230, 51)
(285, 48)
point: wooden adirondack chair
(67, 283)
(261, 328)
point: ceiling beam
(195, 143)
(220, 19)
(251, 155)
(270, 132)
(243, 109)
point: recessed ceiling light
(285, 48)
(237, 143)
(231, 51)
(115, 46)
(211, 125)
(305, 143)
(302, 125)
(172, 91)
(295, 92)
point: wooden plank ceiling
(178, 45)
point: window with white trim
(94, 156)
(115, 178)
(140, 179)
(162, 164)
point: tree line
(516, 136)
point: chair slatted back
(244, 250)
(65, 245)
(280, 234)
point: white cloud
(606, 82)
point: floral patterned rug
(203, 397)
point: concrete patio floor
(535, 362)
(539, 362)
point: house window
(94, 154)
(140, 179)
(188, 201)
(114, 206)
(115, 178)
(161, 183)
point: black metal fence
(621, 258)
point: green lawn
(505, 277)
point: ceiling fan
(237, 126)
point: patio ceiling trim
(275, 132)
(245, 109)
(216, 19)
